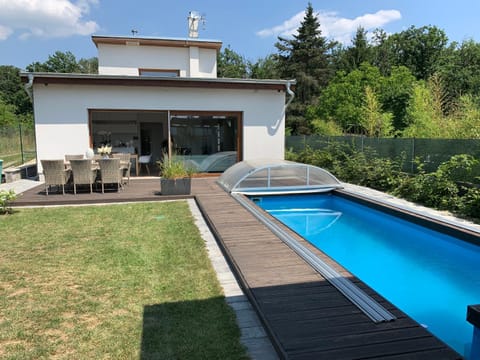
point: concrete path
(20, 186)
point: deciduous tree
(65, 62)
(343, 98)
(231, 64)
(264, 68)
(12, 91)
(419, 49)
(375, 122)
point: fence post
(413, 155)
(21, 142)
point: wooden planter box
(180, 186)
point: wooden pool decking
(304, 315)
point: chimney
(193, 19)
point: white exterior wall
(207, 63)
(127, 59)
(194, 56)
(61, 114)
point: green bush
(431, 189)
(6, 197)
(470, 203)
(442, 189)
(349, 165)
(438, 189)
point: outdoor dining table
(95, 165)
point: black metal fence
(432, 152)
(17, 145)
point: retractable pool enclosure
(266, 176)
(269, 177)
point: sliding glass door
(210, 141)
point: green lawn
(110, 282)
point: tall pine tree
(359, 52)
(305, 58)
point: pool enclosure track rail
(365, 303)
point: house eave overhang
(152, 41)
(180, 82)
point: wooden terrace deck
(305, 316)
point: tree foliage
(395, 94)
(419, 49)
(305, 58)
(7, 114)
(427, 117)
(264, 68)
(374, 121)
(466, 119)
(13, 97)
(423, 119)
(343, 98)
(231, 64)
(459, 69)
(358, 53)
(382, 52)
(65, 62)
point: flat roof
(126, 80)
(156, 41)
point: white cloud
(333, 26)
(5, 32)
(45, 18)
(287, 28)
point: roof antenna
(134, 32)
(194, 18)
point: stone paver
(20, 186)
(382, 197)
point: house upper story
(162, 57)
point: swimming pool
(429, 275)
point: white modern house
(152, 90)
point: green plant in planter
(174, 168)
(176, 176)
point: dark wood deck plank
(306, 317)
(369, 351)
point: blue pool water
(430, 276)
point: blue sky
(30, 30)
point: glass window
(159, 73)
(208, 142)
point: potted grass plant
(175, 176)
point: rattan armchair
(55, 174)
(125, 165)
(69, 157)
(83, 173)
(110, 172)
